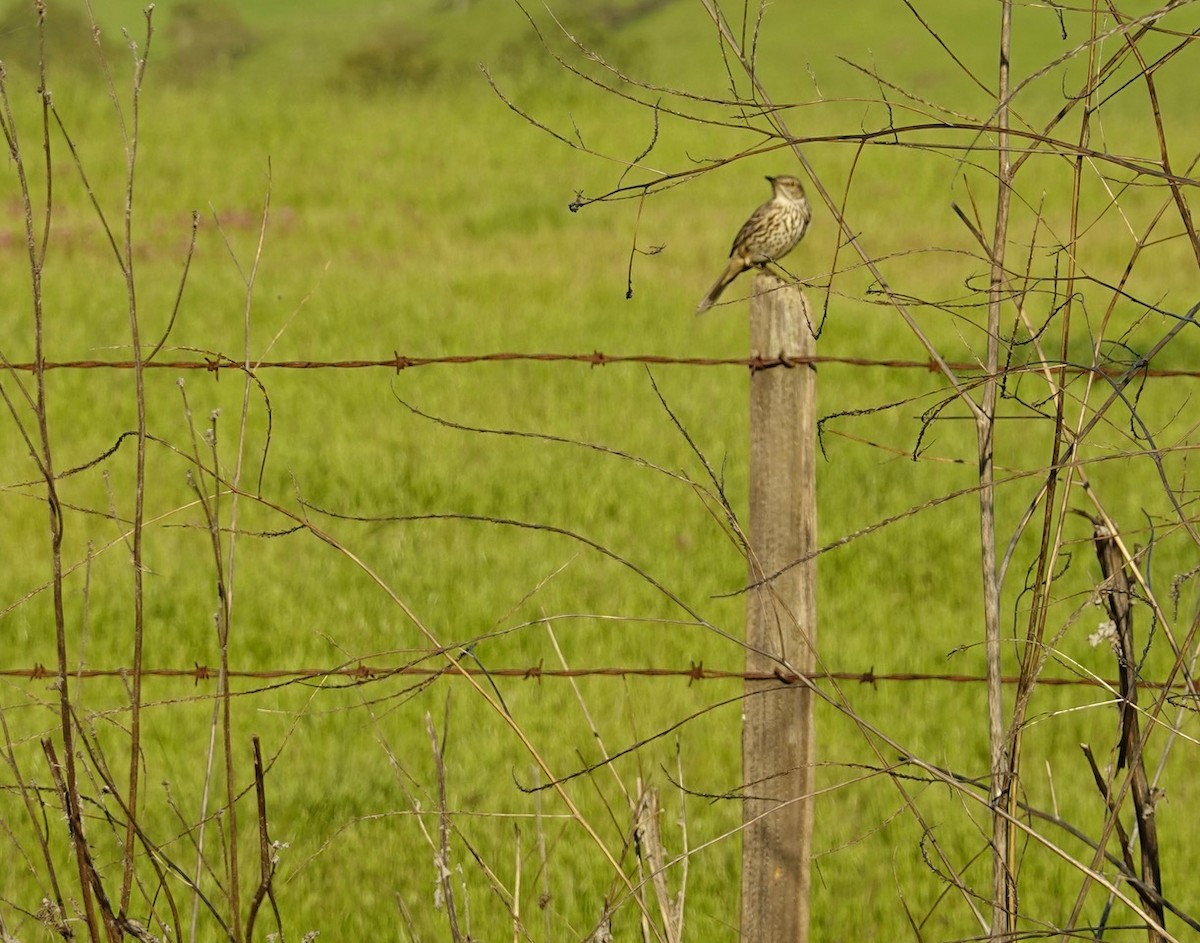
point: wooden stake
(777, 731)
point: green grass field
(411, 211)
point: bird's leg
(775, 269)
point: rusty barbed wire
(214, 363)
(694, 672)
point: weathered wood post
(777, 726)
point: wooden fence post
(777, 724)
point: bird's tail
(732, 271)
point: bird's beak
(769, 179)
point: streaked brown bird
(770, 233)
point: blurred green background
(411, 210)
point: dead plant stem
(1002, 765)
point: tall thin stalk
(139, 379)
(1004, 898)
(43, 457)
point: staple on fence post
(777, 725)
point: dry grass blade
(1118, 599)
(266, 851)
(649, 833)
(441, 858)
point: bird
(770, 233)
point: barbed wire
(694, 672)
(213, 363)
